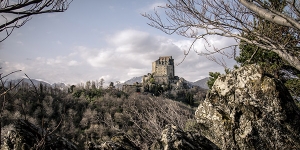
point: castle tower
(163, 69)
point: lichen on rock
(246, 109)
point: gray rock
(247, 109)
(174, 138)
(27, 136)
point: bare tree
(15, 13)
(3, 93)
(200, 19)
(101, 82)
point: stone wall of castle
(163, 71)
(163, 67)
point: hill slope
(202, 83)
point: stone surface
(247, 109)
(27, 136)
(174, 138)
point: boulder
(248, 109)
(173, 138)
(27, 136)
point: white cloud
(73, 63)
(157, 4)
(131, 52)
(128, 53)
(129, 49)
(152, 6)
(134, 72)
(49, 69)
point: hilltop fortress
(162, 77)
(163, 71)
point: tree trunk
(270, 16)
(292, 60)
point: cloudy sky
(99, 39)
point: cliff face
(249, 110)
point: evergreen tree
(213, 77)
(271, 63)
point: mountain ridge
(36, 82)
(201, 82)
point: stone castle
(163, 71)
(163, 74)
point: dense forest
(86, 113)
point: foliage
(17, 13)
(86, 115)
(152, 80)
(272, 65)
(188, 95)
(270, 61)
(189, 98)
(213, 77)
(294, 87)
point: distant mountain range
(134, 80)
(130, 82)
(201, 83)
(36, 82)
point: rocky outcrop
(247, 109)
(174, 138)
(27, 136)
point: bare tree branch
(276, 17)
(4, 92)
(16, 14)
(201, 19)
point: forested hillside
(93, 115)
